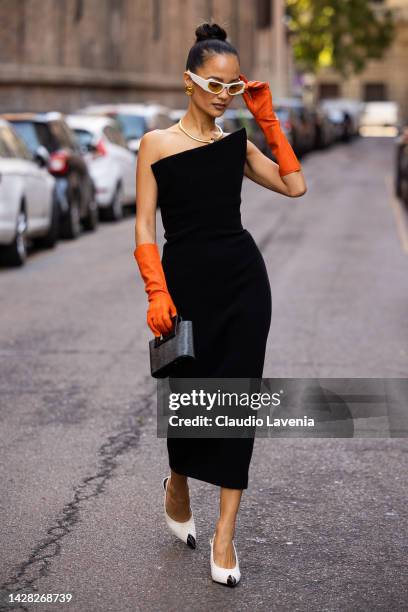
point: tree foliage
(342, 34)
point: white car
(28, 204)
(380, 114)
(111, 164)
(134, 119)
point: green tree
(342, 34)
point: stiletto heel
(186, 530)
(224, 575)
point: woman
(212, 271)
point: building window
(374, 92)
(329, 90)
(156, 19)
(263, 13)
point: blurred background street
(323, 524)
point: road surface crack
(37, 565)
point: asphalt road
(323, 525)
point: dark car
(74, 186)
(298, 124)
(325, 131)
(401, 165)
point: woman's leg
(178, 498)
(225, 529)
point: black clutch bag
(166, 351)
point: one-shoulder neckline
(209, 145)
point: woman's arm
(286, 175)
(146, 190)
(262, 170)
(161, 308)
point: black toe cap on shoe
(191, 541)
(231, 581)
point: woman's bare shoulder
(156, 143)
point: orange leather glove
(161, 306)
(258, 99)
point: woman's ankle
(178, 490)
(224, 530)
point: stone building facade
(385, 79)
(63, 54)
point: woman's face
(222, 67)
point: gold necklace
(220, 131)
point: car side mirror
(41, 156)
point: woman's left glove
(258, 99)
(161, 306)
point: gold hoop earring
(189, 90)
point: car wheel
(15, 254)
(114, 211)
(71, 222)
(90, 222)
(50, 239)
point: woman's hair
(210, 39)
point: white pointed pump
(230, 576)
(186, 530)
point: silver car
(28, 203)
(110, 162)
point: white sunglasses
(216, 87)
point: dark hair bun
(208, 30)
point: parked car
(297, 122)
(28, 204)
(345, 114)
(134, 119)
(325, 130)
(336, 118)
(75, 188)
(401, 165)
(380, 114)
(111, 164)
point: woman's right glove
(258, 99)
(161, 306)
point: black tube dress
(217, 278)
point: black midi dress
(217, 278)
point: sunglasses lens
(214, 87)
(236, 89)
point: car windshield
(27, 131)
(85, 138)
(35, 133)
(133, 126)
